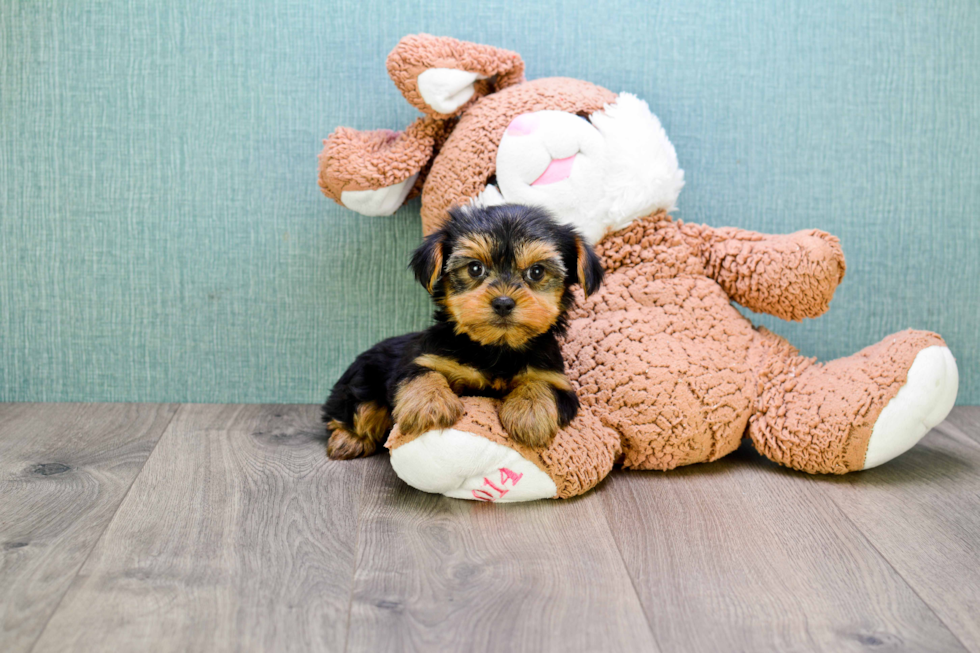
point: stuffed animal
(668, 372)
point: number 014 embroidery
(500, 488)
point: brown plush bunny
(668, 372)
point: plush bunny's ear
(440, 75)
(375, 172)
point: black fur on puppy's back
(368, 378)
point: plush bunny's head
(594, 159)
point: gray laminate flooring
(138, 527)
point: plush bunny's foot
(923, 402)
(476, 459)
(464, 465)
(856, 412)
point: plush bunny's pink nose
(523, 124)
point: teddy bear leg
(856, 412)
(475, 459)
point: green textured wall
(162, 237)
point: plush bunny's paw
(464, 465)
(380, 201)
(923, 402)
(477, 460)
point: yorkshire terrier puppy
(501, 280)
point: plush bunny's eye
(476, 270)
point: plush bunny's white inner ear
(446, 89)
(381, 201)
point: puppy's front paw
(344, 445)
(530, 416)
(426, 403)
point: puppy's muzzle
(503, 306)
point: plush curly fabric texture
(662, 357)
(659, 354)
(368, 160)
(818, 417)
(667, 370)
(801, 270)
(420, 52)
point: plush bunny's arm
(791, 276)
(375, 172)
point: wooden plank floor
(220, 528)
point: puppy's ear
(427, 260)
(588, 266)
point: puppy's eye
(535, 272)
(475, 269)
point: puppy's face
(502, 274)
(504, 291)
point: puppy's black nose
(502, 306)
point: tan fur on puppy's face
(537, 303)
(530, 252)
(533, 315)
(478, 247)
